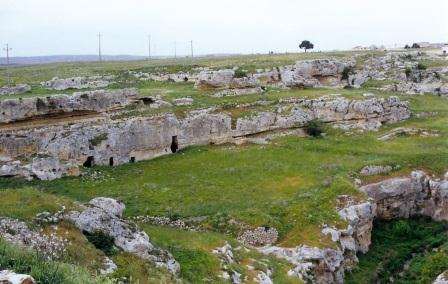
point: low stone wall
(95, 101)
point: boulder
(442, 278)
(10, 277)
(105, 215)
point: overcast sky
(47, 27)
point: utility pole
(7, 49)
(191, 46)
(99, 47)
(175, 50)
(149, 47)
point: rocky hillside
(274, 169)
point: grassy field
(290, 184)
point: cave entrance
(174, 144)
(111, 161)
(89, 162)
(132, 160)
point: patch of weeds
(102, 242)
(314, 128)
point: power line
(99, 47)
(7, 49)
(175, 50)
(149, 46)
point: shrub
(101, 241)
(347, 72)
(314, 128)
(240, 73)
(408, 72)
(421, 66)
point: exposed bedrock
(401, 197)
(93, 82)
(14, 90)
(104, 215)
(94, 101)
(50, 152)
(307, 73)
(405, 197)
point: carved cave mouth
(174, 144)
(89, 162)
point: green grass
(394, 243)
(28, 262)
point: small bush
(240, 73)
(314, 128)
(408, 72)
(421, 66)
(101, 241)
(347, 72)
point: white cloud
(70, 26)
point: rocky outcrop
(327, 265)
(50, 152)
(314, 73)
(14, 90)
(404, 197)
(91, 101)
(94, 82)
(10, 277)
(407, 131)
(104, 215)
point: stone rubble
(260, 236)
(104, 215)
(16, 232)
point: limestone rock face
(10, 277)
(93, 82)
(94, 101)
(49, 152)
(410, 196)
(14, 90)
(311, 263)
(105, 215)
(215, 79)
(313, 73)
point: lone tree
(306, 44)
(407, 46)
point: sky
(54, 27)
